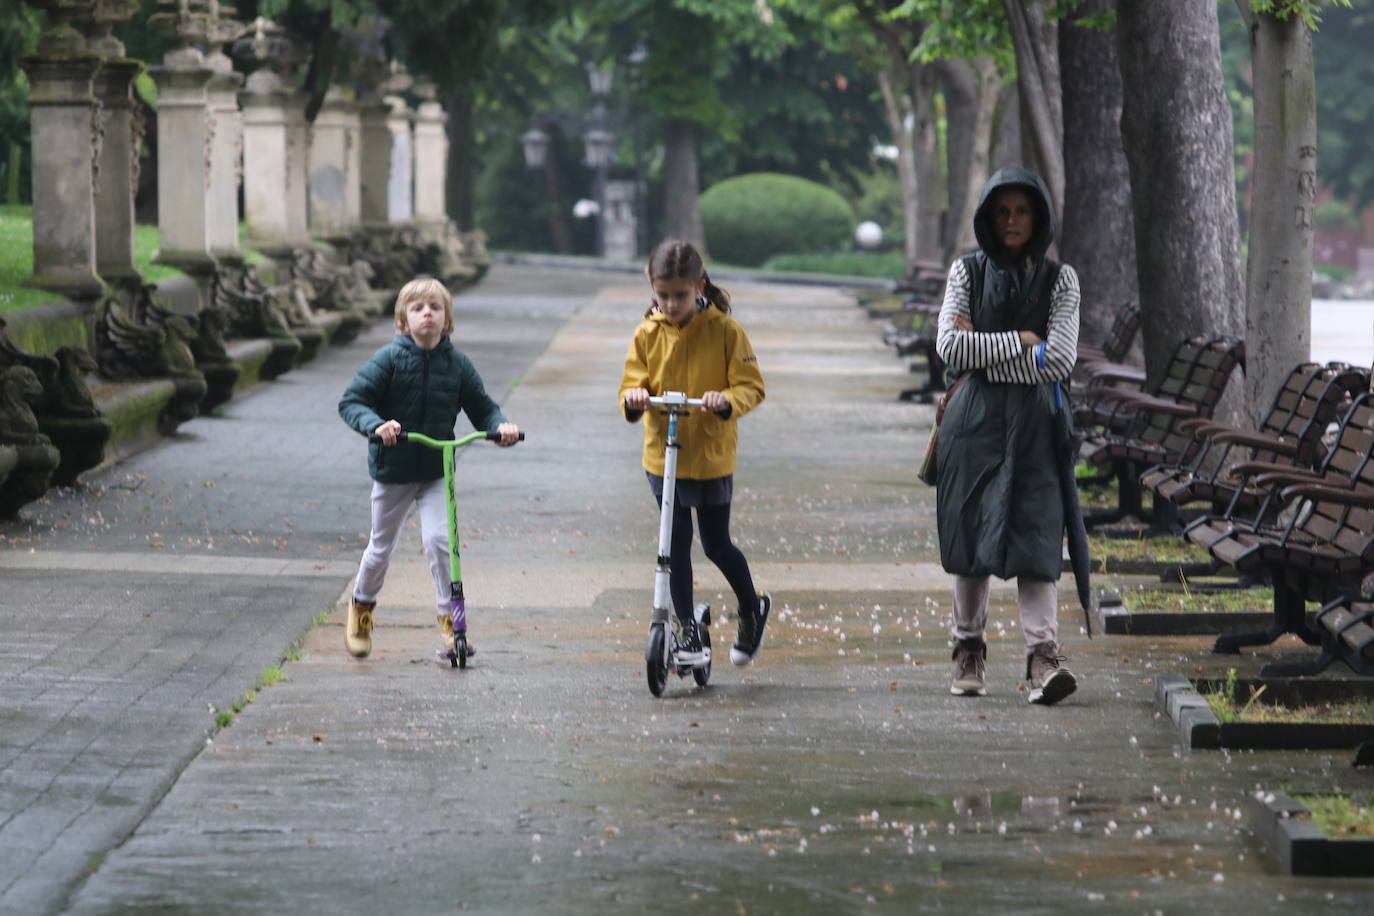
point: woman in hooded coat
(1008, 328)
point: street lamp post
(598, 142)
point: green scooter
(458, 656)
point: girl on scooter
(689, 342)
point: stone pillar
(185, 144)
(264, 160)
(116, 169)
(226, 152)
(431, 160)
(374, 158)
(65, 147)
(121, 137)
(297, 170)
(621, 224)
(275, 138)
(400, 196)
(335, 186)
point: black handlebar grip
(400, 437)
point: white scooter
(661, 654)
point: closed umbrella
(1066, 448)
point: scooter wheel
(703, 674)
(654, 666)
(460, 651)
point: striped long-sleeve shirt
(1000, 354)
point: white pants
(1037, 600)
(391, 504)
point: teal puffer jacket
(423, 390)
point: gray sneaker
(970, 660)
(1050, 681)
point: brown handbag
(929, 472)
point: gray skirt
(693, 494)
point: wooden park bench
(1093, 359)
(1106, 403)
(1320, 547)
(1346, 628)
(1291, 433)
(1152, 433)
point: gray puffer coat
(998, 504)
(423, 390)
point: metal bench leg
(1290, 616)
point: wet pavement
(835, 775)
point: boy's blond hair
(423, 288)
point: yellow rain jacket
(711, 353)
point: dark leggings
(714, 524)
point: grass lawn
(1229, 706)
(1158, 599)
(16, 260)
(1340, 815)
(1159, 550)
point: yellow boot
(446, 627)
(358, 633)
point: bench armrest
(1257, 440)
(1361, 498)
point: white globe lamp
(868, 234)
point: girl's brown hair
(675, 259)
(422, 288)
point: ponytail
(675, 259)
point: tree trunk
(895, 110)
(560, 232)
(1176, 129)
(1037, 78)
(1096, 233)
(1278, 278)
(958, 87)
(458, 188)
(971, 92)
(926, 150)
(1006, 129)
(682, 184)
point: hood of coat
(1042, 234)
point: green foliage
(753, 217)
(1336, 214)
(840, 263)
(18, 32)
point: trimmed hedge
(750, 218)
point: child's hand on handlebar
(388, 431)
(715, 402)
(637, 399)
(509, 434)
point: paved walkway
(837, 774)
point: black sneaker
(689, 648)
(749, 637)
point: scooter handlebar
(403, 436)
(675, 399)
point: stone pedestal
(375, 161)
(185, 147)
(335, 185)
(400, 195)
(265, 172)
(65, 147)
(621, 226)
(226, 149)
(116, 170)
(431, 164)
